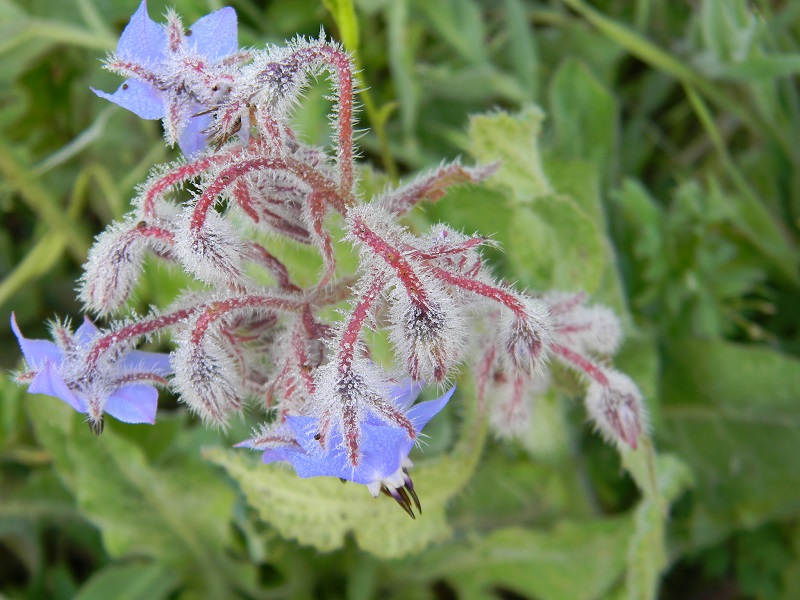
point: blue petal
(423, 412)
(50, 382)
(193, 138)
(382, 447)
(139, 97)
(143, 40)
(382, 452)
(214, 35)
(403, 395)
(148, 362)
(305, 428)
(86, 332)
(37, 352)
(133, 404)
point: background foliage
(650, 156)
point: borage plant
(333, 409)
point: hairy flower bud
(207, 379)
(524, 336)
(513, 402)
(429, 337)
(593, 329)
(113, 268)
(615, 405)
(212, 252)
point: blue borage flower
(130, 395)
(174, 75)
(383, 464)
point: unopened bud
(593, 329)
(616, 408)
(212, 252)
(430, 337)
(207, 379)
(112, 269)
(525, 337)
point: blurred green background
(650, 156)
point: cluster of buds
(251, 332)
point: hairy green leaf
(576, 560)
(176, 513)
(512, 140)
(556, 246)
(733, 413)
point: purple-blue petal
(143, 40)
(423, 412)
(270, 455)
(86, 333)
(383, 449)
(147, 362)
(133, 404)
(214, 36)
(382, 452)
(193, 138)
(49, 381)
(304, 429)
(139, 97)
(36, 352)
(404, 394)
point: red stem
(133, 331)
(353, 331)
(478, 287)
(219, 308)
(395, 259)
(582, 363)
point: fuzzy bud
(207, 379)
(212, 252)
(514, 401)
(525, 335)
(113, 268)
(430, 338)
(616, 408)
(587, 329)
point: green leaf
(585, 117)
(402, 33)
(475, 83)
(762, 66)
(460, 24)
(581, 181)
(129, 582)
(344, 14)
(176, 513)
(573, 561)
(522, 49)
(728, 27)
(553, 244)
(508, 490)
(512, 140)
(321, 512)
(733, 413)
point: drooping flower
(176, 75)
(384, 463)
(126, 386)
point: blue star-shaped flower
(174, 75)
(383, 463)
(131, 397)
